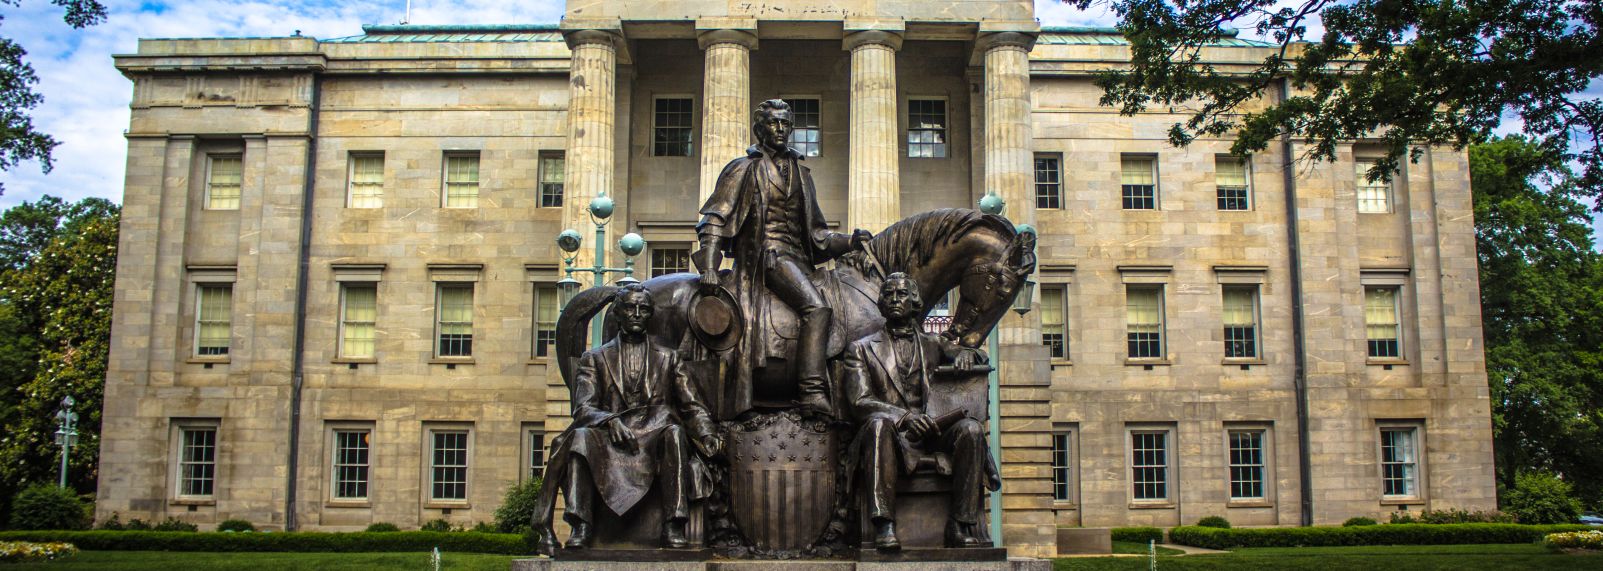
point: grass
(191, 561)
(1139, 548)
(1507, 557)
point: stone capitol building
(336, 296)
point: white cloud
(1057, 13)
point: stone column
(592, 94)
(873, 186)
(726, 102)
(1008, 141)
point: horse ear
(1021, 253)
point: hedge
(1390, 534)
(311, 541)
(1137, 534)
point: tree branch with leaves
(20, 139)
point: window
(1048, 181)
(1230, 179)
(1399, 462)
(455, 320)
(545, 319)
(1062, 476)
(671, 129)
(1373, 196)
(197, 461)
(448, 465)
(1149, 464)
(351, 464)
(1246, 464)
(1139, 183)
(805, 132)
(536, 438)
(926, 128)
(214, 310)
(1054, 322)
(670, 260)
(1144, 313)
(223, 176)
(1381, 323)
(1241, 322)
(462, 181)
(553, 175)
(358, 314)
(366, 181)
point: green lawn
(1516, 557)
(190, 561)
(1139, 548)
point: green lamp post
(993, 204)
(569, 241)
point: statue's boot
(812, 384)
(885, 535)
(580, 537)
(545, 542)
(673, 534)
(959, 534)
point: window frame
(211, 163)
(534, 451)
(1067, 345)
(180, 427)
(1064, 464)
(657, 146)
(943, 132)
(1256, 340)
(198, 323)
(813, 148)
(1125, 196)
(651, 270)
(1245, 188)
(351, 159)
(1266, 474)
(1161, 325)
(1055, 198)
(439, 313)
(555, 294)
(1419, 479)
(1396, 325)
(445, 177)
(335, 429)
(345, 322)
(1170, 476)
(1361, 166)
(540, 178)
(430, 474)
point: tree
(1542, 314)
(1409, 72)
(19, 139)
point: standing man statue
(764, 214)
(635, 420)
(887, 382)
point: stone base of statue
(634, 555)
(1016, 564)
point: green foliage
(113, 523)
(484, 527)
(1454, 516)
(1214, 521)
(1357, 521)
(136, 524)
(175, 524)
(1393, 534)
(235, 525)
(517, 508)
(1137, 534)
(382, 527)
(1541, 497)
(1411, 72)
(311, 541)
(437, 526)
(46, 506)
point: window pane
(213, 319)
(1150, 465)
(1144, 315)
(223, 182)
(1246, 464)
(1380, 321)
(805, 133)
(1054, 325)
(666, 261)
(197, 461)
(1373, 196)
(671, 132)
(1241, 321)
(456, 321)
(1061, 482)
(462, 181)
(351, 464)
(1048, 182)
(449, 466)
(545, 319)
(926, 128)
(1398, 462)
(358, 332)
(553, 177)
(1136, 170)
(367, 181)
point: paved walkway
(1189, 550)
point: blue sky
(86, 99)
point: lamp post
(66, 433)
(569, 240)
(994, 205)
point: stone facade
(299, 112)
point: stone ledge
(1014, 564)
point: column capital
(854, 40)
(1004, 40)
(710, 38)
(576, 38)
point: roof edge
(456, 28)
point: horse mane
(917, 239)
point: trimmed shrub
(309, 541)
(1357, 521)
(1541, 497)
(1575, 540)
(1138, 534)
(437, 526)
(136, 524)
(1394, 534)
(235, 525)
(1454, 516)
(382, 527)
(45, 506)
(1214, 521)
(113, 523)
(175, 524)
(517, 508)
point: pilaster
(873, 184)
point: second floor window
(545, 319)
(926, 128)
(214, 319)
(455, 326)
(224, 175)
(1374, 197)
(462, 181)
(1380, 322)
(666, 261)
(553, 177)
(671, 128)
(367, 181)
(1241, 321)
(1054, 322)
(1138, 183)
(1048, 181)
(805, 135)
(1230, 180)
(358, 317)
(1144, 321)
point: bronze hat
(716, 321)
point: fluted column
(726, 102)
(592, 91)
(1008, 142)
(873, 185)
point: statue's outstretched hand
(968, 358)
(620, 435)
(860, 237)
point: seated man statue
(887, 382)
(635, 420)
